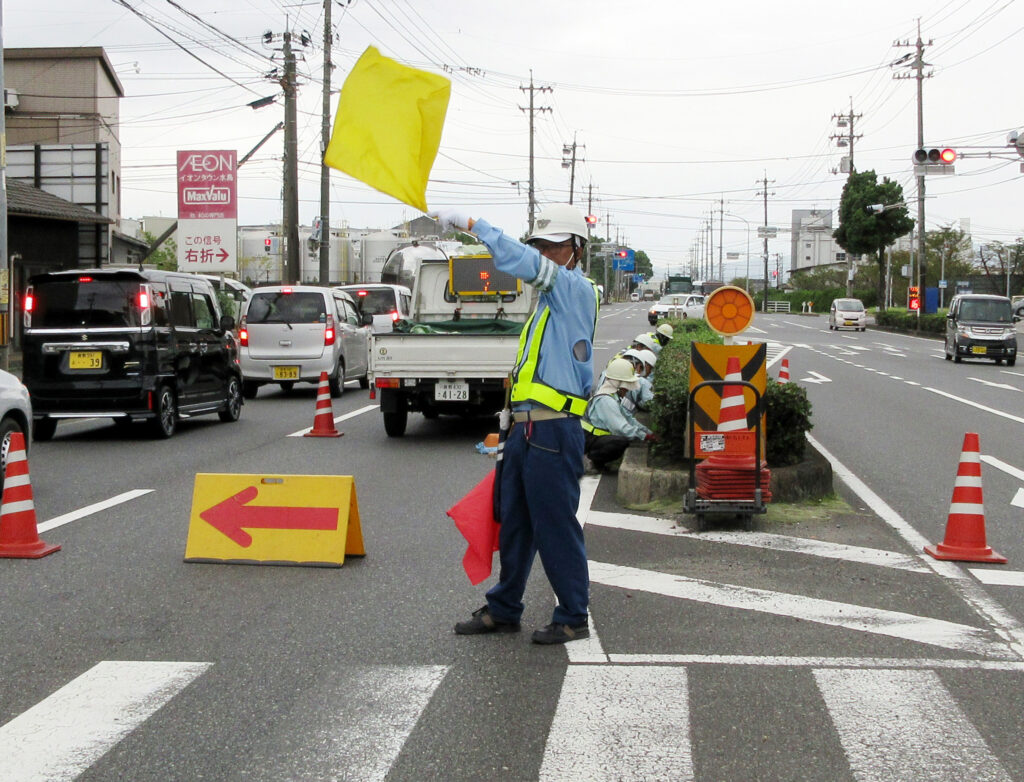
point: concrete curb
(639, 484)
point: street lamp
(747, 278)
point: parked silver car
(15, 416)
(292, 333)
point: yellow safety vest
(589, 427)
(525, 388)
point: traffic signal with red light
(938, 160)
(591, 220)
(913, 298)
(267, 243)
(622, 254)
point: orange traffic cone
(323, 420)
(732, 416)
(965, 526)
(19, 535)
(784, 372)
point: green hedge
(787, 409)
(908, 321)
(822, 298)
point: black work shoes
(483, 622)
(556, 633)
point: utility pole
(533, 110)
(325, 139)
(590, 211)
(291, 271)
(764, 182)
(721, 223)
(918, 64)
(847, 140)
(570, 163)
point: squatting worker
(609, 427)
(543, 455)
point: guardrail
(777, 306)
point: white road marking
(587, 650)
(620, 724)
(1018, 499)
(989, 383)
(818, 378)
(339, 419)
(764, 540)
(999, 464)
(905, 725)
(1005, 624)
(895, 624)
(785, 661)
(1012, 578)
(61, 736)
(361, 739)
(992, 410)
(88, 510)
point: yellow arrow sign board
(274, 520)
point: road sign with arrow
(274, 520)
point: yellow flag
(388, 126)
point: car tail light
(243, 334)
(394, 316)
(329, 331)
(85, 279)
(387, 382)
(361, 293)
(27, 306)
(145, 301)
(286, 290)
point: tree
(861, 232)
(1000, 262)
(166, 256)
(948, 255)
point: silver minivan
(292, 333)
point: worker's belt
(538, 414)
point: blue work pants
(540, 491)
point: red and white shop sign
(207, 182)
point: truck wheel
(43, 429)
(166, 421)
(394, 422)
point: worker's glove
(451, 220)
(651, 437)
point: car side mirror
(365, 318)
(227, 323)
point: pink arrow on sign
(234, 514)
(224, 254)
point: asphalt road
(820, 647)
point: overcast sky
(674, 105)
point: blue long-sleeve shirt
(566, 356)
(605, 412)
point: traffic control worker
(543, 455)
(609, 428)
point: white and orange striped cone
(784, 372)
(323, 419)
(732, 416)
(965, 526)
(19, 533)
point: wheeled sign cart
(739, 506)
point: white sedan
(677, 305)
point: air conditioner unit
(10, 99)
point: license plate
(457, 391)
(86, 359)
(979, 350)
(286, 373)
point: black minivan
(128, 345)
(981, 326)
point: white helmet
(558, 223)
(666, 330)
(647, 356)
(647, 341)
(620, 369)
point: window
(281, 307)
(74, 303)
(204, 312)
(181, 309)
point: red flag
(474, 518)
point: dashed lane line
(339, 419)
(88, 510)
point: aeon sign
(207, 184)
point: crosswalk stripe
(361, 722)
(61, 736)
(905, 725)
(896, 624)
(622, 724)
